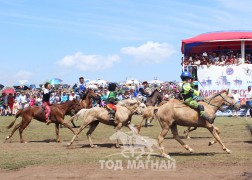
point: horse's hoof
(166, 155)
(94, 146)
(188, 137)
(69, 144)
(8, 137)
(210, 143)
(118, 146)
(228, 151)
(58, 141)
(191, 150)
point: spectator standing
(81, 85)
(11, 103)
(5, 104)
(32, 100)
(38, 100)
(64, 97)
(23, 99)
(249, 101)
(15, 107)
(72, 96)
(236, 98)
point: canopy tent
(55, 81)
(155, 81)
(218, 41)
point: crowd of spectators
(193, 61)
(11, 103)
(218, 59)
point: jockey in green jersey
(189, 93)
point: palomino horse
(58, 112)
(95, 115)
(175, 113)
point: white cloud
(150, 52)
(22, 74)
(88, 62)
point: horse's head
(134, 106)
(74, 107)
(229, 100)
(91, 93)
(154, 98)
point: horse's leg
(140, 125)
(21, 129)
(146, 123)
(152, 118)
(57, 132)
(66, 125)
(186, 132)
(78, 132)
(214, 141)
(212, 129)
(174, 131)
(92, 127)
(161, 137)
(13, 131)
(118, 127)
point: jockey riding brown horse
(58, 112)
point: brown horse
(58, 112)
(95, 115)
(154, 98)
(175, 113)
(86, 99)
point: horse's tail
(81, 113)
(16, 116)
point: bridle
(219, 94)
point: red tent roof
(217, 38)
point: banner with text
(216, 78)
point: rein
(219, 94)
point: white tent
(98, 81)
(132, 81)
(92, 86)
(155, 81)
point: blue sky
(113, 40)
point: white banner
(216, 78)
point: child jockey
(188, 93)
(46, 104)
(111, 101)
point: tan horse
(149, 114)
(58, 112)
(95, 115)
(175, 113)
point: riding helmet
(185, 75)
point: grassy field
(41, 148)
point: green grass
(41, 148)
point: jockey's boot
(208, 118)
(112, 115)
(48, 121)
